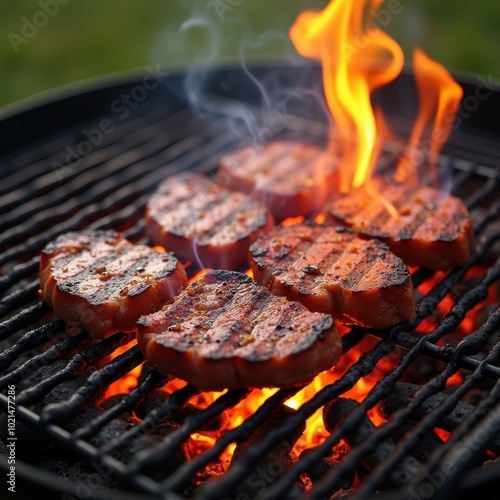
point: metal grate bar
(97, 383)
(123, 196)
(489, 188)
(461, 179)
(491, 216)
(88, 175)
(18, 272)
(58, 351)
(175, 401)
(73, 369)
(442, 353)
(30, 340)
(42, 171)
(24, 318)
(92, 186)
(153, 381)
(18, 298)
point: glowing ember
(292, 221)
(159, 248)
(196, 276)
(125, 384)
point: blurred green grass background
(88, 38)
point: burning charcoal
(277, 460)
(61, 392)
(426, 445)
(64, 391)
(403, 393)
(337, 411)
(112, 401)
(83, 418)
(117, 427)
(321, 467)
(476, 395)
(154, 399)
(166, 428)
(126, 450)
(422, 370)
(159, 397)
(84, 474)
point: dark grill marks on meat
(290, 179)
(227, 331)
(101, 282)
(330, 270)
(257, 162)
(247, 209)
(205, 223)
(433, 229)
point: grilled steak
(290, 179)
(202, 222)
(330, 270)
(102, 283)
(433, 230)
(227, 331)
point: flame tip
(358, 57)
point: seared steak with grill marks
(330, 270)
(102, 283)
(227, 331)
(202, 222)
(290, 179)
(433, 229)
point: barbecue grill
(89, 158)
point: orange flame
(357, 57)
(351, 71)
(439, 98)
